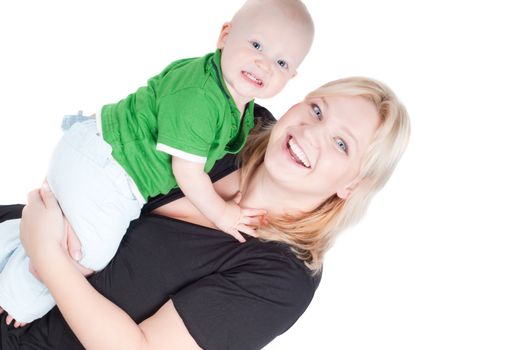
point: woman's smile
(297, 153)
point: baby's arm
(227, 216)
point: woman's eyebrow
(351, 135)
(325, 105)
(347, 130)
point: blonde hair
(312, 233)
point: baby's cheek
(279, 84)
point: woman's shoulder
(276, 252)
(254, 292)
(8, 212)
(274, 264)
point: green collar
(216, 63)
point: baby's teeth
(253, 78)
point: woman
(314, 171)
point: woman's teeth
(298, 154)
(252, 78)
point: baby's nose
(264, 65)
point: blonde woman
(177, 282)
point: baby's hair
(294, 10)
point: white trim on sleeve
(180, 154)
(98, 121)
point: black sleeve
(8, 212)
(248, 308)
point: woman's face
(317, 147)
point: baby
(166, 134)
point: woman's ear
(224, 33)
(347, 191)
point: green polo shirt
(185, 111)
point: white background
(440, 260)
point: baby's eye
(317, 111)
(256, 45)
(342, 145)
(282, 64)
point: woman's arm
(97, 322)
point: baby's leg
(93, 191)
(95, 195)
(9, 240)
(23, 296)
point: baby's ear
(224, 33)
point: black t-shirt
(229, 295)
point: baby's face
(259, 57)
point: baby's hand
(235, 219)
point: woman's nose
(313, 134)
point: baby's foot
(10, 319)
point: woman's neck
(261, 193)
(264, 193)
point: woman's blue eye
(317, 111)
(282, 64)
(256, 45)
(342, 145)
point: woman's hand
(72, 244)
(42, 213)
(42, 226)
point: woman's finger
(73, 243)
(253, 221)
(34, 199)
(247, 230)
(234, 232)
(47, 197)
